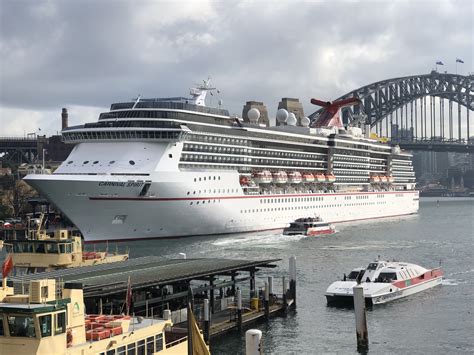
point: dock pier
(223, 293)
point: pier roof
(145, 272)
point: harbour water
(438, 321)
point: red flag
(7, 266)
(128, 298)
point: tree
(16, 199)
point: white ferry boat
(384, 281)
(153, 168)
(311, 226)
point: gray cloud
(91, 53)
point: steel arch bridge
(397, 109)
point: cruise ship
(174, 167)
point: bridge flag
(439, 62)
(459, 61)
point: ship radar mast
(198, 93)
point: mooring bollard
(207, 322)
(293, 278)
(239, 308)
(253, 342)
(266, 302)
(361, 319)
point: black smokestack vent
(64, 119)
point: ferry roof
(51, 306)
(147, 271)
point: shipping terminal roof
(144, 272)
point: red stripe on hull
(427, 276)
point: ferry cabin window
(159, 342)
(121, 350)
(372, 266)
(21, 326)
(40, 248)
(141, 347)
(2, 331)
(131, 349)
(111, 352)
(387, 277)
(45, 325)
(60, 323)
(52, 248)
(150, 345)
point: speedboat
(310, 226)
(383, 281)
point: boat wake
(452, 282)
(373, 246)
(256, 240)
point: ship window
(62, 248)
(70, 162)
(112, 162)
(121, 350)
(150, 345)
(60, 324)
(40, 248)
(2, 331)
(86, 162)
(21, 326)
(131, 349)
(141, 347)
(52, 248)
(131, 162)
(95, 162)
(45, 325)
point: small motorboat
(383, 281)
(310, 226)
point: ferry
(146, 161)
(47, 322)
(311, 226)
(47, 250)
(384, 281)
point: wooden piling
(206, 321)
(292, 269)
(285, 288)
(361, 319)
(239, 308)
(266, 301)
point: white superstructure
(175, 167)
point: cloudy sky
(86, 54)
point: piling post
(207, 322)
(239, 308)
(285, 288)
(292, 268)
(266, 300)
(270, 285)
(361, 319)
(189, 320)
(253, 342)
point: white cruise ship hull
(110, 208)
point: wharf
(160, 284)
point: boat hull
(180, 204)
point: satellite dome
(253, 115)
(305, 121)
(291, 120)
(282, 115)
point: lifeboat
(330, 178)
(262, 177)
(295, 177)
(383, 179)
(280, 177)
(320, 178)
(390, 178)
(374, 179)
(244, 180)
(308, 178)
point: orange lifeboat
(320, 178)
(308, 178)
(280, 177)
(383, 179)
(262, 177)
(295, 177)
(330, 178)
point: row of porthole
(131, 162)
(203, 202)
(214, 191)
(204, 179)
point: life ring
(69, 338)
